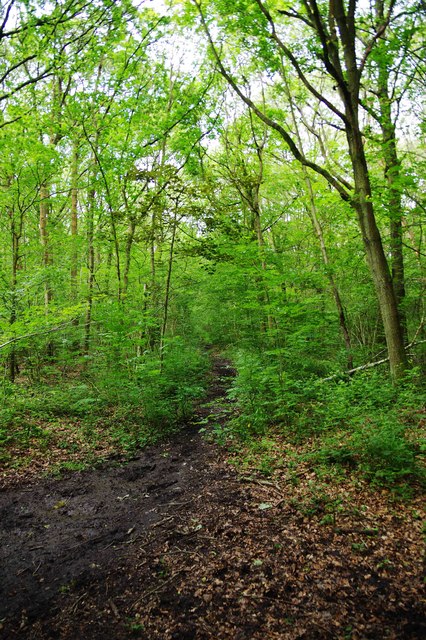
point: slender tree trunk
(16, 231)
(249, 189)
(153, 331)
(129, 242)
(349, 87)
(74, 222)
(44, 239)
(47, 256)
(312, 212)
(167, 289)
(90, 267)
(45, 209)
(392, 172)
(108, 269)
(117, 256)
(257, 229)
(316, 225)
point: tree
(36, 42)
(332, 36)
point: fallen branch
(158, 524)
(262, 483)
(38, 333)
(369, 365)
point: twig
(158, 587)
(114, 608)
(178, 550)
(74, 607)
(277, 504)
(88, 541)
(255, 596)
(182, 504)
(158, 524)
(132, 540)
(369, 365)
(262, 483)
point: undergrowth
(109, 408)
(363, 423)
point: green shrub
(363, 422)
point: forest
(212, 220)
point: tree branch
(379, 33)
(287, 52)
(298, 155)
(61, 326)
(369, 365)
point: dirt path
(58, 534)
(174, 546)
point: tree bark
(313, 216)
(392, 172)
(44, 239)
(90, 265)
(167, 289)
(248, 187)
(375, 255)
(129, 242)
(16, 233)
(74, 222)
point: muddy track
(63, 533)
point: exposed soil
(176, 545)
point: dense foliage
(214, 175)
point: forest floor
(181, 543)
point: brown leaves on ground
(247, 571)
(304, 557)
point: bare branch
(369, 365)
(6, 18)
(46, 73)
(16, 66)
(4, 124)
(61, 326)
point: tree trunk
(316, 225)
(47, 256)
(117, 255)
(154, 330)
(129, 242)
(74, 222)
(44, 239)
(90, 266)
(167, 290)
(257, 229)
(16, 231)
(392, 174)
(312, 212)
(376, 258)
